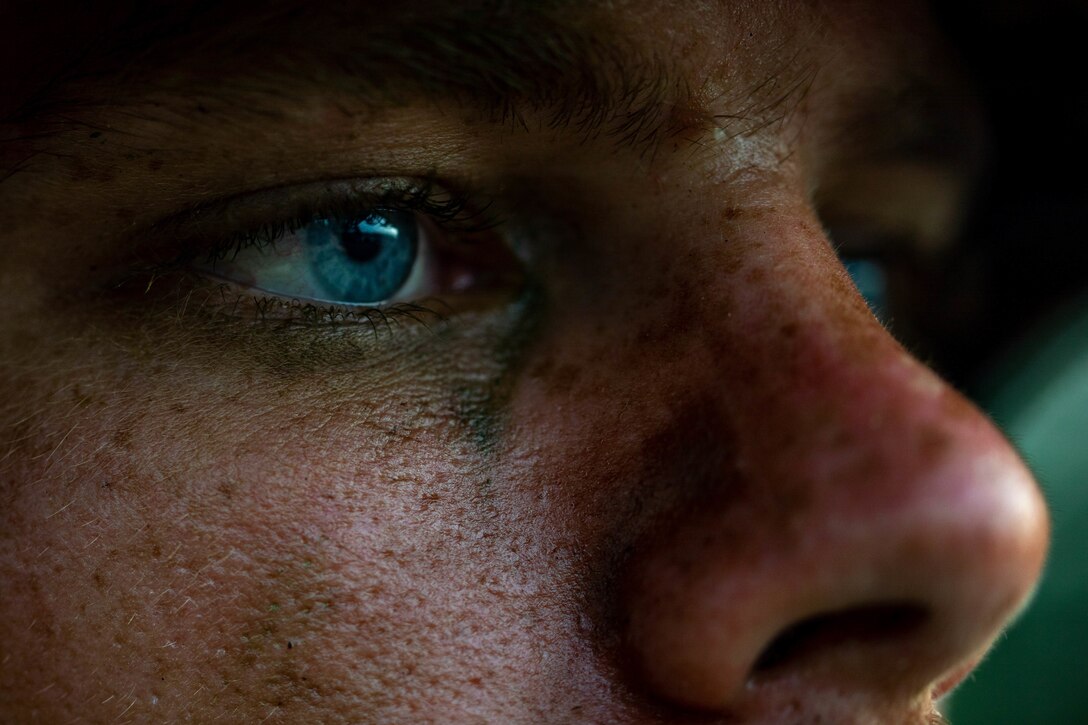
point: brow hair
(518, 62)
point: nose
(869, 533)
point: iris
(364, 259)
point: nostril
(833, 631)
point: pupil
(362, 240)
(362, 259)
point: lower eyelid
(225, 301)
(214, 299)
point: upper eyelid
(207, 217)
(208, 222)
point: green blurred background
(1008, 323)
(1038, 673)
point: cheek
(251, 545)
(133, 546)
(144, 533)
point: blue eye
(410, 256)
(371, 258)
(362, 260)
(871, 281)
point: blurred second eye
(871, 280)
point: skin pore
(665, 466)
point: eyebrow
(518, 62)
(560, 64)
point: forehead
(633, 70)
(718, 80)
(710, 46)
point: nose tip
(889, 586)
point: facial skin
(669, 468)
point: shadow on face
(489, 363)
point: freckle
(154, 164)
(732, 264)
(732, 213)
(788, 331)
(756, 275)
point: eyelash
(453, 212)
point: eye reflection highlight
(378, 256)
(365, 260)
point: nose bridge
(863, 490)
(832, 423)
(808, 377)
(823, 401)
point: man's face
(418, 363)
